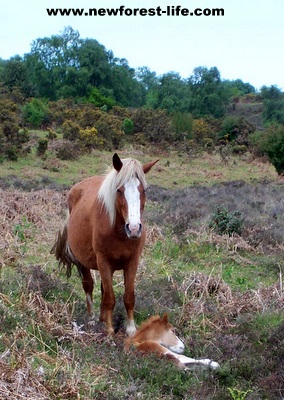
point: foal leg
(88, 286)
(129, 299)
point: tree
(273, 104)
(50, 60)
(182, 124)
(127, 90)
(209, 96)
(15, 75)
(173, 93)
(271, 142)
(93, 58)
(238, 88)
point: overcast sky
(246, 43)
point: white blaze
(132, 196)
(178, 347)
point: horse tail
(63, 253)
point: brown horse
(105, 232)
(156, 336)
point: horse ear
(116, 162)
(146, 167)
(165, 318)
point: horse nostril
(133, 230)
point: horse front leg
(107, 300)
(129, 298)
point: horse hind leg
(88, 286)
(64, 255)
(62, 252)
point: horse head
(130, 193)
(168, 338)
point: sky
(246, 43)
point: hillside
(250, 109)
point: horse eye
(119, 191)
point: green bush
(42, 147)
(225, 223)
(271, 143)
(99, 100)
(128, 126)
(229, 128)
(182, 124)
(36, 113)
(11, 153)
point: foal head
(123, 192)
(159, 330)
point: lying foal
(156, 336)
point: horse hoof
(214, 365)
(130, 328)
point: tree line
(104, 101)
(66, 66)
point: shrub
(42, 147)
(182, 124)
(51, 135)
(236, 129)
(201, 129)
(98, 99)
(239, 149)
(271, 143)
(230, 128)
(155, 125)
(11, 153)
(223, 222)
(12, 137)
(110, 131)
(70, 130)
(36, 113)
(89, 138)
(128, 126)
(66, 150)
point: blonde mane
(113, 180)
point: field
(223, 293)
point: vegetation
(75, 87)
(271, 143)
(214, 254)
(223, 293)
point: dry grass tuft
(24, 215)
(220, 308)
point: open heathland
(222, 290)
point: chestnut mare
(105, 232)
(156, 336)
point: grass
(224, 294)
(206, 169)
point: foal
(156, 336)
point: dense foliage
(77, 88)
(66, 66)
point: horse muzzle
(133, 231)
